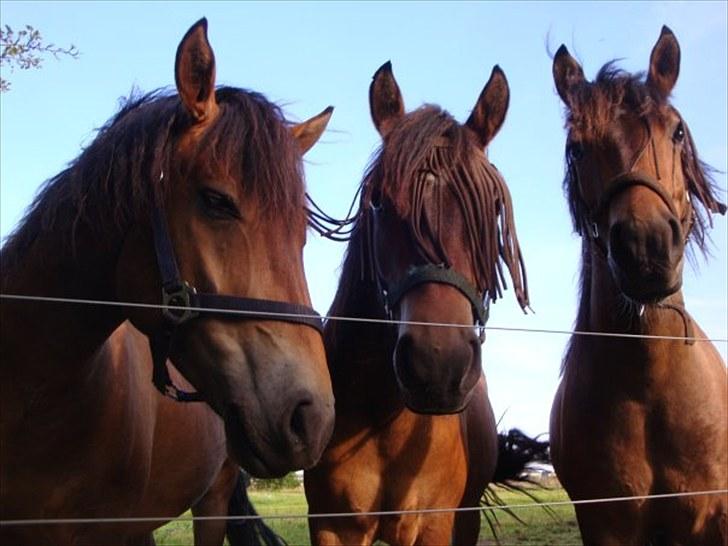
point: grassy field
(541, 528)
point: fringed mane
(116, 179)
(594, 106)
(427, 143)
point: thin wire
(50, 521)
(273, 315)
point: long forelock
(427, 141)
(253, 139)
(594, 106)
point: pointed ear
(308, 132)
(567, 73)
(385, 100)
(664, 64)
(490, 111)
(194, 72)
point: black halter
(428, 273)
(181, 302)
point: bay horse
(636, 416)
(193, 195)
(414, 426)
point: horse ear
(308, 132)
(490, 111)
(567, 73)
(664, 64)
(194, 72)
(385, 100)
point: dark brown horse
(201, 188)
(637, 416)
(414, 426)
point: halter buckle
(176, 303)
(595, 230)
(387, 308)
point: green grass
(540, 528)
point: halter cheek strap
(182, 303)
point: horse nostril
(299, 426)
(620, 243)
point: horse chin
(428, 405)
(247, 453)
(647, 288)
(649, 292)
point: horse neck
(360, 353)
(42, 340)
(603, 308)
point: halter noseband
(181, 303)
(429, 273)
(627, 180)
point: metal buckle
(387, 310)
(176, 303)
(486, 315)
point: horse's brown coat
(638, 416)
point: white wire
(50, 521)
(273, 315)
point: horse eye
(574, 151)
(679, 133)
(218, 205)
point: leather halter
(627, 180)
(181, 303)
(429, 273)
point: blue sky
(308, 55)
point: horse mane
(116, 179)
(398, 170)
(593, 106)
(357, 293)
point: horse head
(634, 178)
(225, 231)
(440, 222)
